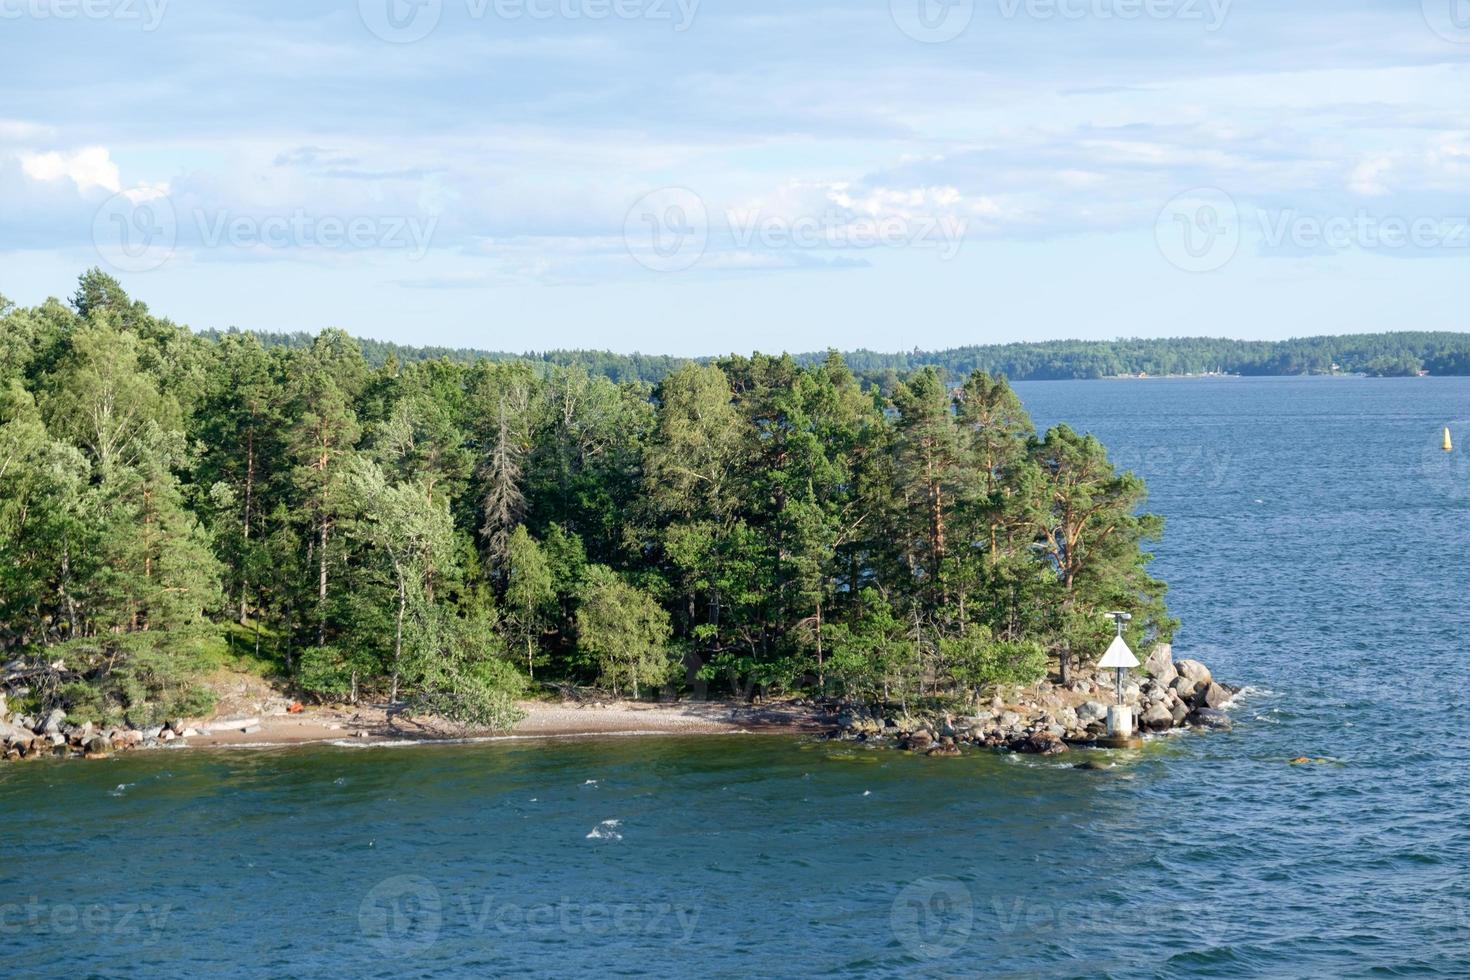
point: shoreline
(369, 726)
(1044, 719)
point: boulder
(1179, 711)
(1067, 718)
(945, 747)
(1160, 664)
(1157, 718)
(1212, 695)
(1091, 711)
(1009, 719)
(1042, 743)
(53, 721)
(919, 741)
(14, 733)
(1210, 718)
(1195, 671)
(1183, 687)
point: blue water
(1316, 552)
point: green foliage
(626, 632)
(439, 530)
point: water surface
(1315, 551)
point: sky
(711, 176)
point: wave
(607, 830)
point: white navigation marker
(1119, 657)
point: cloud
(88, 168)
(1367, 178)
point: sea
(1316, 553)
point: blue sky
(704, 176)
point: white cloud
(87, 168)
(1367, 177)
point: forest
(453, 534)
(1401, 354)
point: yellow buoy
(1449, 446)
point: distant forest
(1381, 355)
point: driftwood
(17, 673)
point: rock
(1092, 711)
(1160, 664)
(945, 747)
(1195, 671)
(15, 733)
(918, 741)
(1179, 711)
(1212, 696)
(1009, 719)
(1067, 718)
(1157, 718)
(1210, 718)
(1091, 764)
(177, 726)
(1042, 743)
(1183, 687)
(53, 721)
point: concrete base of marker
(1120, 721)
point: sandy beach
(543, 720)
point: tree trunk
(245, 527)
(398, 636)
(821, 675)
(321, 594)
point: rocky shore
(24, 737)
(1046, 719)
